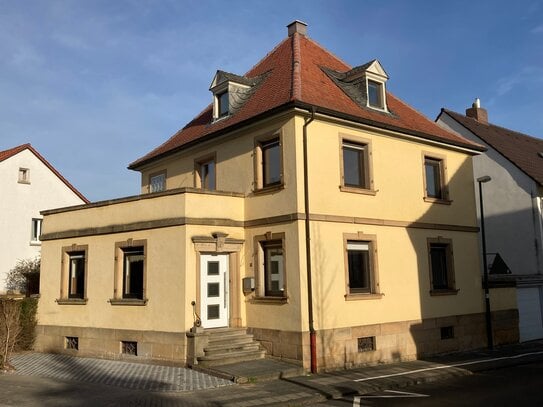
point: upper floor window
(223, 104)
(375, 94)
(36, 230)
(434, 179)
(24, 176)
(355, 165)
(268, 163)
(271, 162)
(206, 173)
(157, 182)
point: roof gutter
(306, 106)
(312, 333)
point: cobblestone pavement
(115, 373)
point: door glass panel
(212, 268)
(212, 312)
(212, 289)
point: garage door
(529, 308)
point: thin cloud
(537, 30)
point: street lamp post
(490, 340)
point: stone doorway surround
(220, 243)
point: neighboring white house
(28, 185)
(512, 206)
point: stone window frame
(375, 291)
(259, 142)
(157, 174)
(23, 175)
(451, 279)
(118, 273)
(258, 261)
(368, 188)
(444, 181)
(64, 297)
(198, 162)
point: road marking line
(473, 362)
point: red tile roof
(4, 155)
(294, 78)
(522, 150)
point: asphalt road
(520, 385)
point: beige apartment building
(306, 205)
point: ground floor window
(130, 271)
(271, 275)
(361, 278)
(440, 259)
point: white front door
(214, 283)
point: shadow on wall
(443, 257)
(452, 305)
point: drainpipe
(312, 334)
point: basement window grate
(447, 332)
(129, 348)
(366, 344)
(72, 342)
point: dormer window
(364, 84)
(230, 92)
(223, 104)
(375, 94)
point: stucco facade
(325, 234)
(21, 203)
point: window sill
(35, 243)
(361, 296)
(447, 291)
(355, 190)
(269, 190)
(24, 182)
(71, 301)
(437, 200)
(269, 300)
(128, 301)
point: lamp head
(483, 179)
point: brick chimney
(477, 112)
(297, 26)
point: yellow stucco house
(306, 205)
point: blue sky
(94, 85)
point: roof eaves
(452, 115)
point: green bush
(27, 322)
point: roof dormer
(365, 84)
(230, 92)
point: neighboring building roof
(294, 77)
(4, 155)
(524, 151)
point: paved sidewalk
(88, 382)
(115, 373)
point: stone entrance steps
(230, 345)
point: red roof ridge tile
(296, 87)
